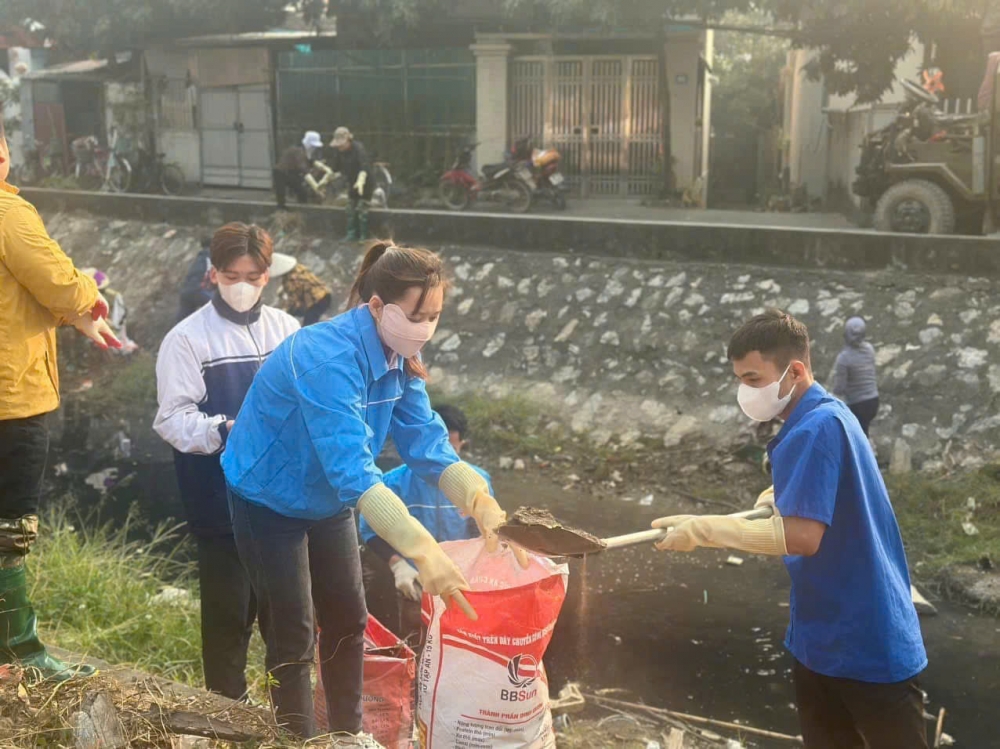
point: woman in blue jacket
(302, 455)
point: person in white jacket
(203, 371)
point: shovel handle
(658, 534)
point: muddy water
(690, 633)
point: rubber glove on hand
(313, 184)
(766, 499)
(359, 186)
(407, 579)
(723, 532)
(389, 518)
(100, 309)
(97, 330)
(470, 493)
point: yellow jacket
(39, 291)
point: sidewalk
(614, 208)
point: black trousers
(297, 567)
(847, 714)
(228, 611)
(865, 411)
(24, 449)
(285, 181)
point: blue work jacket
(317, 415)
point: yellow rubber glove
(389, 518)
(359, 186)
(407, 579)
(313, 184)
(766, 499)
(470, 493)
(723, 532)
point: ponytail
(373, 254)
(389, 271)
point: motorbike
(510, 184)
(549, 180)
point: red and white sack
(387, 700)
(482, 684)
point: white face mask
(240, 296)
(763, 404)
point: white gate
(236, 137)
(603, 114)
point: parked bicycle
(99, 168)
(154, 175)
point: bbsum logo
(522, 670)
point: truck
(932, 173)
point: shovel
(540, 533)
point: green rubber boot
(19, 643)
(352, 223)
(363, 222)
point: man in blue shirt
(853, 631)
(428, 505)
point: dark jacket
(196, 289)
(352, 162)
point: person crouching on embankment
(853, 632)
(301, 456)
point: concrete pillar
(491, 99)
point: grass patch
(94, 589)
(507, 426)
(932, 509)
(126, 386)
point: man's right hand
(97, 330)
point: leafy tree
(104, 26)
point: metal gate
(236, 137)
(603, 114)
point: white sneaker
(353, 741)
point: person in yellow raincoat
(40, 290)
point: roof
(80, 68)
(87, 70)
(256, 38)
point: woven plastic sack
(482, 684)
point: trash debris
(570, 700)
(946, 740)
(170, 234)
(171, 596)
(506, 463)
(103, 480)
(519, 465)
(646, 501)
(969, 528)
(653, 745)
(921, 604)
(97, 725)
(970, 504)
(735, 561)
(61, 469)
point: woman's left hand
(489, 516)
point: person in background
(118, 315)
(302, 456)
(203, 371)
(855, 380)
(197, 287)
(302, 293)
(351, 160)
(40, 290)
(853, 629)
(293, 170)
(431, 507)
